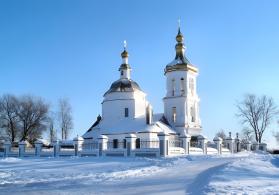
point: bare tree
(52, 131)
(221, 134)
(8, 117)
(276, 135)
(247, 135)
(32, 113)
(257, 113)
(65, 118)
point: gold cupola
(180, 62)
(124, 54)
(125, 68)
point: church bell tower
(181, 103)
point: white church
(125, 109)
(128, 126)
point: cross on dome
(125, 44)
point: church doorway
(194, 141)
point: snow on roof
(130, 126)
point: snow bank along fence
(165, 145)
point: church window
(138, 143)
(174, 114)
(193, 114)
(124, 143)
(115, 143)
(173, 86)
(182, 85)
(126, 112)
(122, 72)
(191, 85)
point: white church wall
(140, 104)
(115, 109)
(180, 104)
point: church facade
(126, 110)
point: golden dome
(179, 36)
(124, 54)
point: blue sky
(72, 49)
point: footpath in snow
(243, 173)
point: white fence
(131, 146)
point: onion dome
(179, 37)
(180, 62)
(123, 85)
(124, 54)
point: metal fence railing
(47, 149)
(116, 145)
(90, 146)
(194, 144)
(29, 150)
(14, 149)
(149, 144)
(67, 148)
(176, 143)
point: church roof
(137, 125)
(123, 85)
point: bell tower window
(172, 87)
(182, 86)
(122, 72)
(191, 85)
(174, 114)
(193, 119)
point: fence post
(21, 147)
(131, 143)
(7, 148)
(186, 143)
(248, 146)
(164, 144)
(237, 144)
(256, 146)
(38, 148)
(203, 141)
(263, 146)
(229, 142)
(56, 148)
(218, 141)
(103, 144)
(78, 141)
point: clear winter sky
(72, 49)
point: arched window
(122, 72)
(192, 85)
(182, 86)
(172, 86)
(193, 119)
(138, 143)
(174, 114)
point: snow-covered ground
(243, 173)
